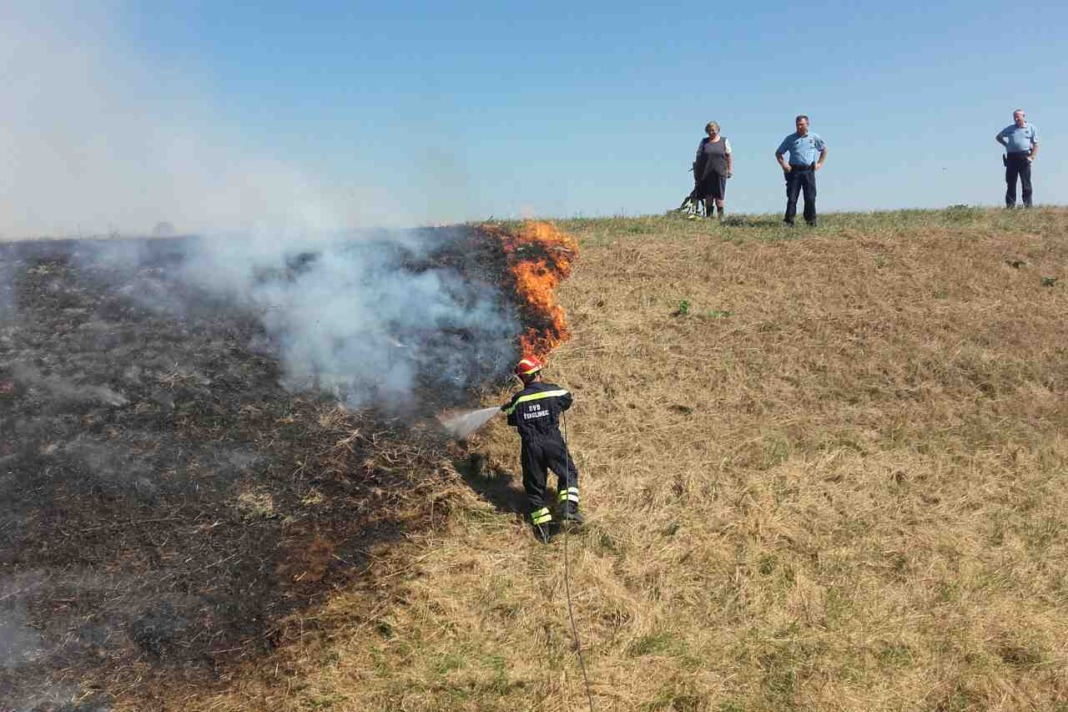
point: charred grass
(169, 511)
(836, 480)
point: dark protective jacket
(535, 411)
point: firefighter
(535, 413)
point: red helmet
(527, 367)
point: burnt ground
(165, 505)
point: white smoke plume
(66, 391)
(390, 318)
(95, 139)
(19, 642)
(7, 293)
(368, 318)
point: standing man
(1020, 140)
(807, 154)
(535, 412)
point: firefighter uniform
(535, 413)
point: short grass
(822, 469)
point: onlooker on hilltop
(1020, 140)
(807, 155)
(712, 167)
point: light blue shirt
(803, 150)
(1019, 139)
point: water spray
(463, 423)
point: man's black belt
(801, 166)
(1019, 153)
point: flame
(539, 257)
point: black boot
(544, 532)
(571, 514)
(541, 520)
(569, 505)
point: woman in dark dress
(711, 169)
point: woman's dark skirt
(713, 186)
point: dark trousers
(1017, 165)
(801, 179)
(539, 456)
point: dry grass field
(822, 470)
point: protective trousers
(538, 457)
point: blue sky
(433, 112)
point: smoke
(391, 318)
(64, 391)
(7, 293)
(19, 643)
(95, 139)
(369, 318)
(22, 646)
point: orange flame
(539, 257)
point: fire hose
(567, 581)
(463, 425)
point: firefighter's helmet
(527, 367)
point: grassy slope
(838, 482)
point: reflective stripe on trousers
(541, 516)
